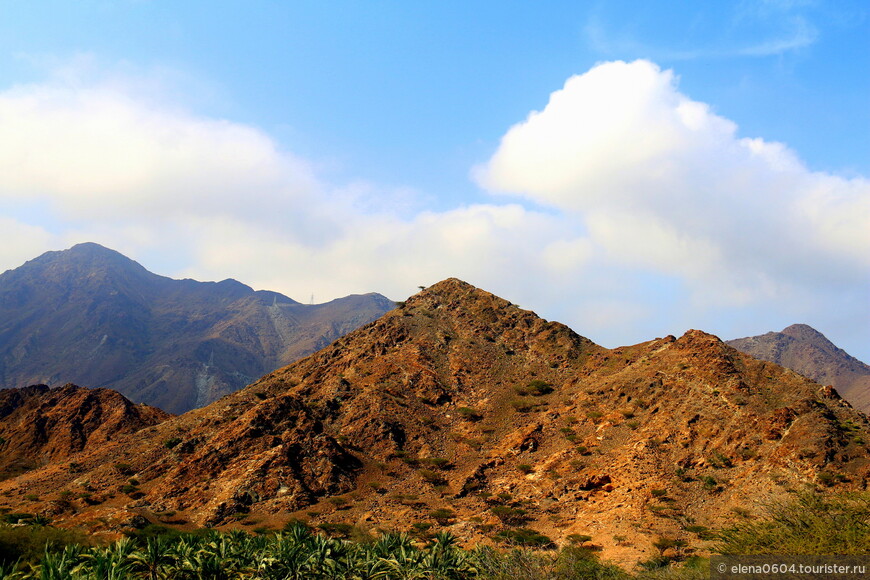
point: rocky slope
(39, 425)
(462, 402)
(807, 351)
(91, 316)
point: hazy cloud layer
(657, 216)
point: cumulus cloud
(664, 183)
(657, 213)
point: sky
(632, 169)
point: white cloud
(660, 216)
(96, 152)
(664, 183)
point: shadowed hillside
(807, 351)
(90, 316)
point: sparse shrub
(524, 537)
(659, 492)
(124, 468)
(594, 414)
(469, 414)
(261, 395)
(578, 539)
(339, 502)
(633, 425)
(511, 516)
(522, 406)
(720, 461)
(747, 453)
(525, 468)
(709, 482)
(663, 543)
(432, 477)
(742, 512)
(703, 532)
(539, 388)
(442, 515)
(31, 497)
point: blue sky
(334, 147)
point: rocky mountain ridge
(39, 425)
(807, 351)
(91, 316)
(461, 410)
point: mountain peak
(455, 292)
(805, 350)
(807, 333)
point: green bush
(511, 516)
(535, 388)
(124, 468)
(809, 523)
(432, 477)
(524, 537)
(469, 414)
(442, 515)
(522, 405)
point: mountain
(91, 316)
(461, 410)
(39, 425)
(807, 351)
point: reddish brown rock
(628, 442)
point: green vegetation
(524, 537)
(810, 523)
(469, 414)
(294, 553)
(535, 388)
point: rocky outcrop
(39, 425)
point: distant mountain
(39, 425)
(807, 351)
(460, 410)
(91, 316)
